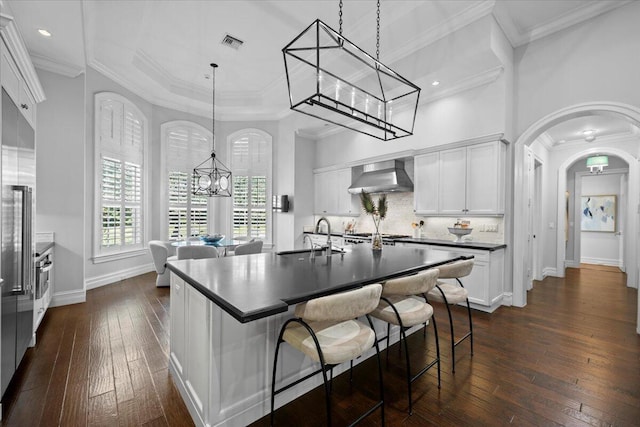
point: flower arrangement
(378, 212)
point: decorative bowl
(212, 238)
(459, 232)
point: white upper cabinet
(331, 193)
(452, 183)
(425, 183)
(461, 181)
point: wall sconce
(597, 163)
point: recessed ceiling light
(435, 83)
(562, 141)
(589, 135)
(44, 32)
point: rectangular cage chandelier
(330, 78)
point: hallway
(569, 358)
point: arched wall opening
(616, 110)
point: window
(186, 145)
(251, 167)
(121, 134)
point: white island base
(223, 368)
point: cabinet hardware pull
(25, 106)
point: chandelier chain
(213, 108)
(378, 33)
(340, 17)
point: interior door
(529, 188)
(622, 210)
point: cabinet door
(177, 323)
(477, 282)
(484, 166)
(451, 188)
(326, 194)
(426, 182)
(348, 204)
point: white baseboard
(602, 261)
(549, 271)
(116, 276)
(68, 297)
(507, 298)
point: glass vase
(376, 241)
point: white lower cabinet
(485, 284)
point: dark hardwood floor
(571, 357)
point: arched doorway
(626, 112)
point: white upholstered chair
(160, 253)
(197, 252)
(400, 305)
(254, 247)
(449, 293)
(326, 330)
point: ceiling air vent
(231, 41)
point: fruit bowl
(459, 232)
(212, 238)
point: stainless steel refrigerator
(17, 261)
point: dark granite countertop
(251, 287)
(452, 244)
(42, 247)
(467, 244)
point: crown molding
(546, 141)
(587, 11)
(460, 20)
(44, 63)
(608, 139)
(481, 79)
(18, 50)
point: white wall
(598, 247)
(60, 154)
(303, 197)
(593, 61)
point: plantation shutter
(187, 214)
(121, 145)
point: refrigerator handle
(24, 273)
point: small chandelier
(597, 163)
(330, 78)
(211, 177)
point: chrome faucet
(328, 233)
(312, 253)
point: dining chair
(325, 329)
(254, 247)
(197, 252)
(449, 293)
(400, 305)
(160, 253)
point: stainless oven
(43, 270)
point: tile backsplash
(400, 215)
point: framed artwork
(598, 213)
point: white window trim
(101, 256)
(229, 212)
(164, 202)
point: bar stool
(400, 306)
(324, 329)
(448, 293)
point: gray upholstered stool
(160, 253)
(326, 331)
(400, 306)
(448, 293)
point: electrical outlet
(493, 228)
(481, 227)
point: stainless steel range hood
(383, 177)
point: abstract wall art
(598, 213)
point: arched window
(121, 140)
(185, 144)
(251, 167)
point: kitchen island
(226, 314)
